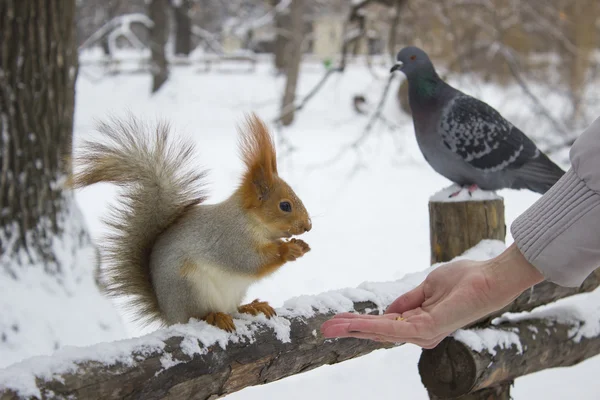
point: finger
(424, 343)
(388, 324)
(365, 316)
(335, 328)
(411, 313)
(341, 324)
(373, 336)
(407, 301)
(386, 327)
(333, 322)
(347, 315)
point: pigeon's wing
(482, 137)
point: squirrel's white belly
(218, 290)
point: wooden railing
(198, 361)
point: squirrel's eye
(285, 206)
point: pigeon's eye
(285, 206)
(413, 58)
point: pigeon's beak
(396, 67)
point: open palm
(451, 297)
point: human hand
(451, 297)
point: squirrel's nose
(307, 225)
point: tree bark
(183, 28)
(282, 36)
(454, 369)
(214, 374)
(293, 59)
(110, 9)
(158, 13)
(393, 34)
(455, 227)
(499, 392)
(38, 68)
(402, 97)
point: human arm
(560, 233)
(557, 238)
(451, 296)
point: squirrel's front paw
(293, 249)
(305, 247)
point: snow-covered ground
(368, 206)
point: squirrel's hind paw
(220, 320)
(257, 307)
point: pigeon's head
(412, 59)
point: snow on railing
(200, 360)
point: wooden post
(456, 226)
(499, 392)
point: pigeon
(466, 140)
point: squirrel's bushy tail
(158, 187)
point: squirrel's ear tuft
(257, 145)
(258, 153)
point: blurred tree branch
(355, 16)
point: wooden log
(455, 227)
(540, 294)
(455, 369)
(499, 392)
(169, 373)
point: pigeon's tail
(538, 174)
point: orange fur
(220, 320)
(270, 252)
(279, 253)
(262, 190)
(260, 157)
(257, 307)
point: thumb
(408, 301)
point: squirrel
(173, 256)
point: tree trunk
(455, 227)
(38, 67)
(47, 263)
(293, 59)
(282, 37)
(183, 28)
(110, 10)
(159, 33)
(402, 96)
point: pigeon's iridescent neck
(426, 84)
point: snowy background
(368, 205)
